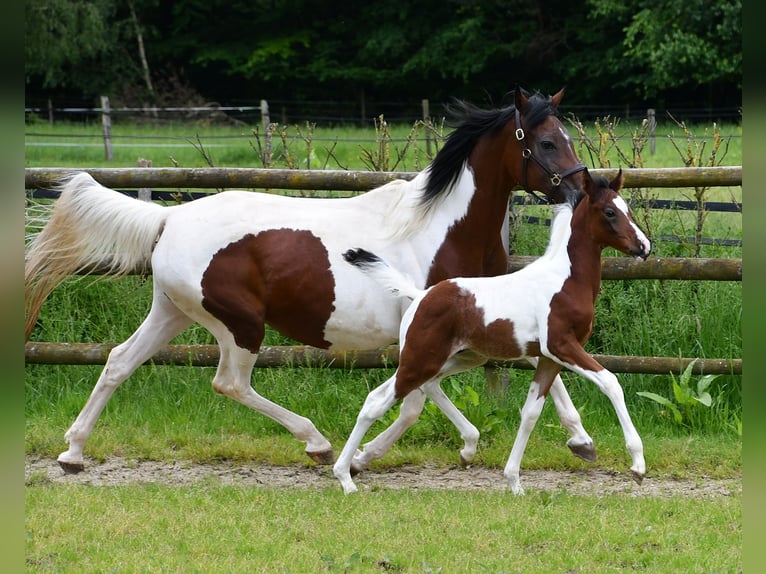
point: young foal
(545, 310)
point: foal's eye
(609, 212)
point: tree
(669, 44)
(62, 35)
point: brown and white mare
(543, 311)
(236, 261)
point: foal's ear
(616, 183)
(556, 98)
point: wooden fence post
(144, 193)
(650, 114)
(424, 103)
(106, 122)
(266, 124)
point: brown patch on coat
(447, 321)
(281, 277)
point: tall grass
(171, 411)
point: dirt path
(120, 471)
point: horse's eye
(547, 145)
(610, 213)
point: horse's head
(544, 149)
(611, 221)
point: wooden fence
(207, 355)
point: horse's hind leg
(409, 412)
(163, 323)
(233, 380)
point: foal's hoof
(638, 477)
(355, 469)
(71, 467)
(464, 462)
(322, 457)
(584, 451)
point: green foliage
(667, 44)
(686, 398)
(298, 50)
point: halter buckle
(519, 134)
(526, 153)
(556, 180)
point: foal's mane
(471, 124)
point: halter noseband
(526, 154)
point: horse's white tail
(390, 278)
(88, 227)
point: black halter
(526, 154)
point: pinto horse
(237, 260)
(544, 311)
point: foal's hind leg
(233, 380)
(163, 323)
(580, 442)
(412, 406)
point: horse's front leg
(546, 371)
(579, 361)
(232, 379)
(609, 385)
(580, 442)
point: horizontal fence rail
(672, 268)
(341, 180)
(304, 356)
(359, 181)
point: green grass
(210, 528)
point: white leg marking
(163, 323)
(530, 412)
(580, 441)
(233, 380)
(468, 432)
(410, 410)
(378, 401)
(610, 386)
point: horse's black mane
(471, 124)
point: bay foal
(543, 311)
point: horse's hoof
(638, 477)
(355, 469)
(586, 452)
(464, 462)
(322, 457)
(71, 467)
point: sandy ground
(595, 482)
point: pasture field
(210, 528)
(171, 413)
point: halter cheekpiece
(526, 154)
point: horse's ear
(520, 98)
(616, 183)
(556, 98)
(587, 182)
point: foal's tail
(88, 227)
(390, 278)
